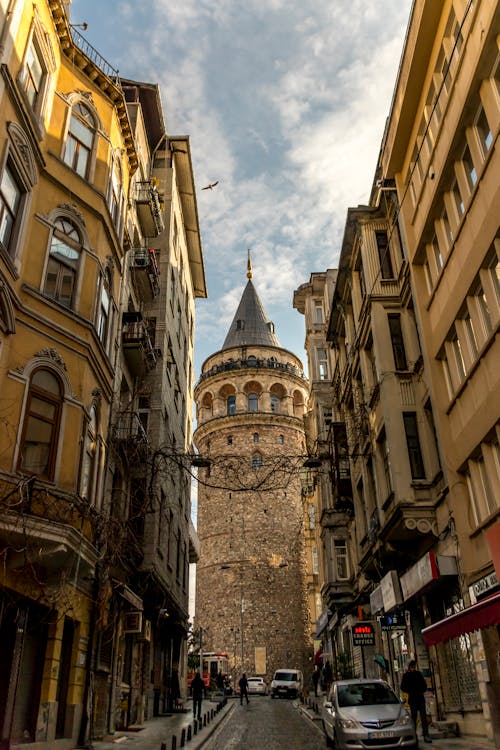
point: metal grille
(459, 681)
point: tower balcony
(148, 207)
(145, 272)
(138, 350)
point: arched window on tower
(256, 461)
(231, 404)
(253, 402)
(275, 403)
(256, 437)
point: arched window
(281, 439)
(253, 402)
(256, 437)
(256, 461)
(231, 404)
(62, 268)
(80, 139)
(89, 457)
(115, 199)
(41, 425)
(252, 361)
(275, 403)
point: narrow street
(266, 724)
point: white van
(287, 682)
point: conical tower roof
(250, 325)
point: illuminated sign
(363, 634)
(394, 621)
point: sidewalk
(171, 731)
(311, 711)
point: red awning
(481, 615)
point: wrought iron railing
(94, 55)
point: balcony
(129, 431)
(138, 351)
(145, 272)
(337, 594)
(148, 209)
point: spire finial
(249, 266)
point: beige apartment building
(441, 149)
(97, 283)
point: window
(103, 313)
(341, 560)
(41, 425)
(493, 269)
(33, 78)
(436, 253)
(63, 262)
(115, 193)
(314, 561)
(89, 457)
(446, 230)
(256, 437)
(457, 200)
(386, 464)
(80, 139)
(484, 131)
(470, 170)
(413, 445)
(10, 201)
(275, 403)
(471, 334)
(231, 404)
(458, 356)
(281, 439)
(322, 364)
(384, 255)
(253, 402)
(229, 439)
(256, 461)
(318, 312)
(398, 347)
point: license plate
(380, 735)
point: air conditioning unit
(146, 631)
(133, 623)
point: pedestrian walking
(315, 679)
(243, 683)
(414, 684)
(197, 688)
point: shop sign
(429, 568)
(483, 587)
(363, 634)
(376, 600)
(394, 621)
(391, 590)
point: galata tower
(250, 580)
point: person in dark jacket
(197, 689)
(243, 683)
(414, 684)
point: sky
(285, 103)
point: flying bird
(211, 186)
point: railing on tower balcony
(253, 362)
(149, 209)
(145, 272)
(138, 350)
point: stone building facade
(251, 589)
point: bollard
(174, 742)
(204, 720)
(211, 714)
(163, 746)
(189, 733)
(195, 726)
(183, 736)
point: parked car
(364, 713)
(288, 683)
(256, 686)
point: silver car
(361, 714)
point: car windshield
(285, 676)
(365, 694)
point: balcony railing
(257, 363)
(149, 210)
(129, 427)
(94, 55)
(138, 350)
(145, 272)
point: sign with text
(363, 634)
(394, 621)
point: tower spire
(249, 266)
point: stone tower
(250, 587)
